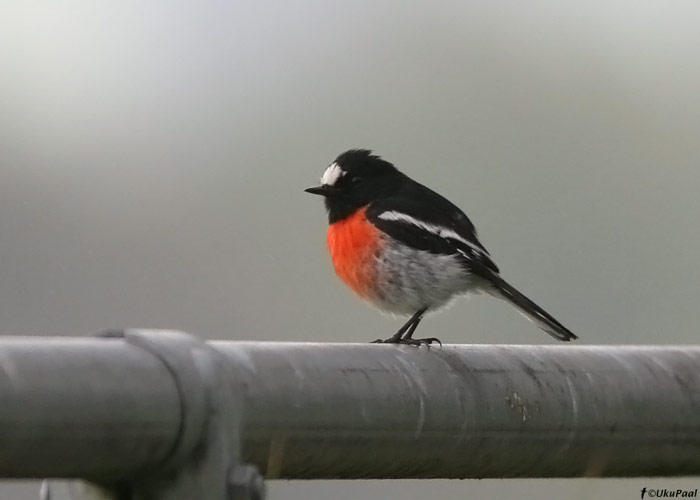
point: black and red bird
(405, 248)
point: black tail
(533, 312)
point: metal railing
(159, 414)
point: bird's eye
(356, 181)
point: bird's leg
(409, 340)
(408, 336)
(403, 336)
(409, 326)
(396, 338)
(413, 326)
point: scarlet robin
(407, 249)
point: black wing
(421, 218)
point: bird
(406, 249)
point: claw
(427, 341)
(413, 342)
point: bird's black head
(356, 178)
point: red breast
(352, 243)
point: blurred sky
(153, 157)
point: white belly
(408, 279)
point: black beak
(322, 190)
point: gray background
(153, 157)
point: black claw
(428, 341)
(413, 342)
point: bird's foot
(413, 342)
(418, 342)
(390, 340)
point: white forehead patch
(332, 174)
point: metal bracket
(205, 462)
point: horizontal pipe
(106, 408)
(382, 411)
(84, 407)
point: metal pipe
(381, 411)
(84, 407)
(107, 408)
